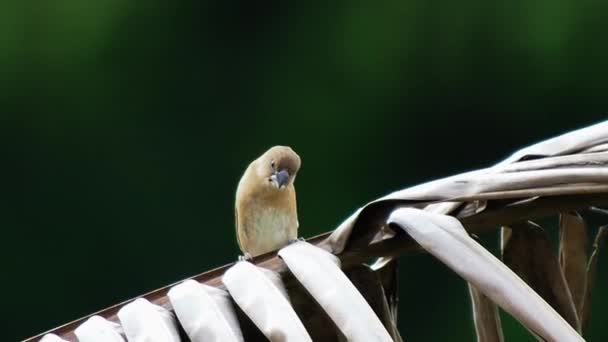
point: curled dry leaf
(445, 238)
(262, 298)
(370, 286)
(388, 273)
(319, 272)
(485, 314)
(528, 252)
(485, 317)
(600, 239)
(573, 255)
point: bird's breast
(271, 228)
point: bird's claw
(296, 240)
(245, 257)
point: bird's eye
(272, 164)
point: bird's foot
(296, 240)
(245, 257)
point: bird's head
(278, 166)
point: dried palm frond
(527, 250)
(573, 255)
(600, 239)
(561, 177)
(485, 317)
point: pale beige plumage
(265, 209)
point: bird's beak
(280, 178)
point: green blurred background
(128, 124)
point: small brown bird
(265, 210)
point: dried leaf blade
(600, 239)
(445, 238)
(528, 252)
(573, 255)
(485, 317)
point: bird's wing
(236, 227)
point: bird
(266, 215)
